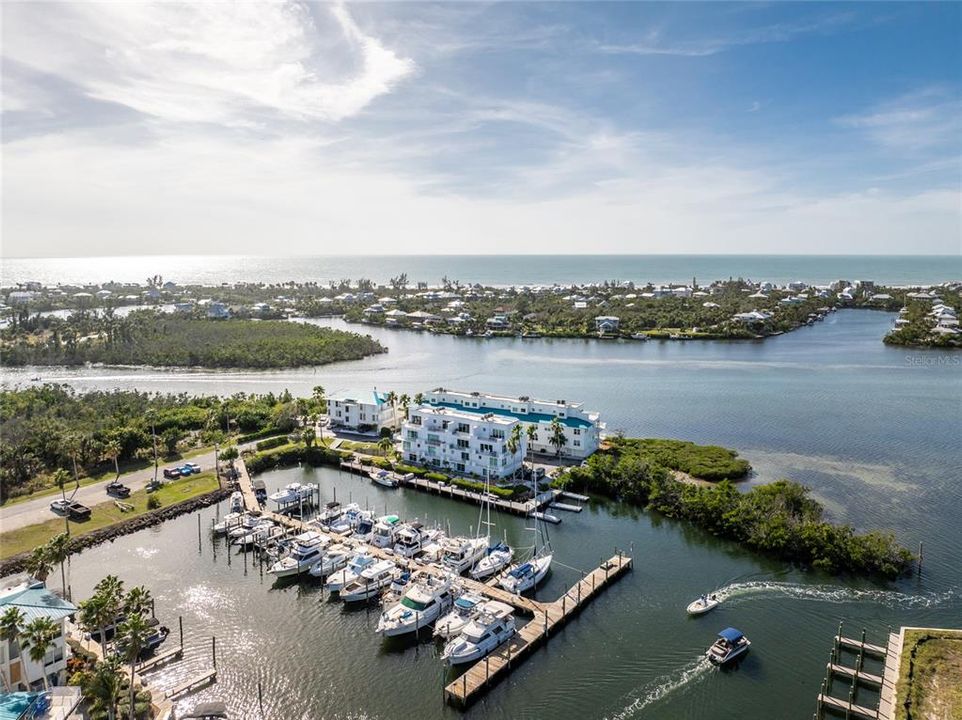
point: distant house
(372, 310)
(755, 316)
(354, 413)
(34, 600)
(497, 322)
(607, 323)
(184, 308)
(21, 297)
(710, 305)
(881, 297)
(217, 311)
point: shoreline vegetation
(733, 309)
(778, 518)
(153, 338)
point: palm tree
(419, 399)
(138, 600)
(309, 435)
(558, 437)
(102, 685)
(532, 432)
(391, 399)
(58, 550)
(11, 624)
(111, 593)
(132, 634)
(73, 446)
(151, 417)
(94, 617)
(61, 477)
(38, 564)
(112, 450)
(385, 445)
(514, 441)
(37, 638)
(319, 398)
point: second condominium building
(582, 429)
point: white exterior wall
(582, 431)
(53, 666)
(462, 443)
(351, 414)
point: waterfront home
(21, 297)
(755, 316)
(217, 311)
(466, 443)
(34, 600)
(582, 429)
(497, 322)
(362, 415)
(607, 323)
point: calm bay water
(490, 269)
(873, 430)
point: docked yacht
(496, 558)
(355, 566)
(461, 553)
(421, 605)
(364, 528)
(525, 576)
(292, 493)
(307, 549)
(237, 502)
(407, 542)
(264, 531)
(384, 478)
(334, 558)
(385, 530)
(370, 582)
(464, 611)
(731, 643)
(229, 521)
(493, 625)
(247, 524)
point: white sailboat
(495, 557)
(525, 576)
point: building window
(577, 431)
(497, 434)
(463, 428)
(465, 456)
(416, 420)
(462, 443)
(577, 443)
(485, 448)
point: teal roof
(527, 417)
(37, 602)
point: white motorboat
(408, 539)
(464, 611)
(639, 336)
(292, 493)
(334, 558)
(496, 559)
(247, 524)
(493, 625)
(307, 549)
(546, 517)
(385, 530)
(364, 529)
(526, 576)
(236, 502)
(359, 562)
(384, 478)
(703, 604)
(331, 513)
(731, 644)
(260, 531)
(229, 521)
(461, 553)
(420, 606)
(370, 582)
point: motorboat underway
(364, 529)
(420, 606)
(496, 558)
(334, 558)
(384, 477)
(493, 625)
(525, 576)
(703, 604)
(355, 566)
(385, 530)
(731, 643)
(306, 551)
(292, 493)
(370, 582)
(461, 553)
(229, 521)
(464, 611)
(408, 540)
(237, 502)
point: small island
(151, 337)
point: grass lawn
(108, 474)
(930, 677)
(104, 514)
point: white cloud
(927, 119)
(215, 62)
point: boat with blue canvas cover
(731, 644)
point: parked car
(186, 470)
(153, 485)
(118, 489)
(78, 511)
(172, 473)
(60, 506)
(194, 467)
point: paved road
(38, 510)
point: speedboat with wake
(493, 626)
(419, 606)
(731, 644)
(703, 604)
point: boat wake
(663, 686)
(737, 592)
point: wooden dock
(191, 684)
(245, 485)
(858, 676)
(868, 648)
(890, 676)
(849, 709)
(160, 659)
(547, 618)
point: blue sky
(132, 128)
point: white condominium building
(463, 443)
(365, 415)
(582, 429)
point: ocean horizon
(520, 269)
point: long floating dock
(550, 616)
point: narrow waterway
(873, 430)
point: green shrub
(436, 476)
(153, 502)
(272, 443)
(265, 433)
(475, 486)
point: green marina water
(873, 430)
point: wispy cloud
(225, 63)
(927, 119)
